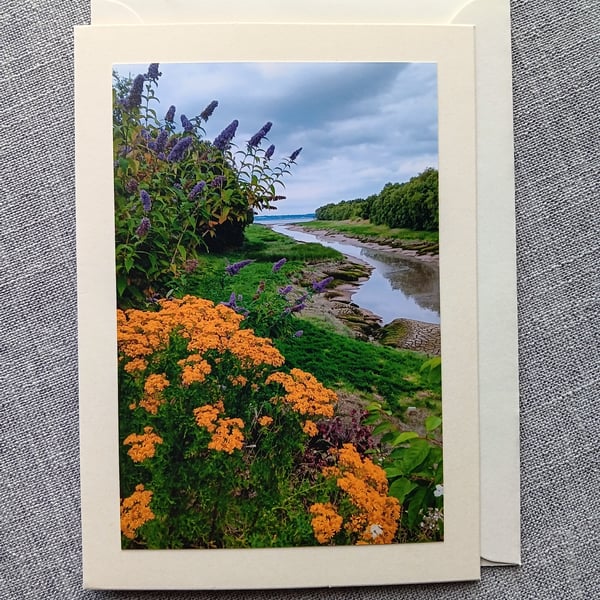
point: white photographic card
(112, 558)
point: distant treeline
(410, 205)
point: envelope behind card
(498, 373)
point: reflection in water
(399, 287)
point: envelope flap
(110, 12)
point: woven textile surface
(556, 56)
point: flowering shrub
(177, 193)
(211, 430)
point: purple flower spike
(144, 227)
(131, 186)
(186, 124)
(218, 181)
(299, 333)
(284, 291)
(179, 149)
(146, 200)
(270, 151)
(208, 111)
(319, 286)
(170, 114)
(161, 140)
(256, 139)
(235, 268)
(153, 73)
(223, 140)
(298, 307)
(294, 155)
(196, 189)
(134, 98)
(277, 266)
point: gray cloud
(361, 125)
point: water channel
(399, 286)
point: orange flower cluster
(135, 511)
(228, 436)
(326, 521)
(194, 371)
(153, 388)
(207, 415)
(205, 326)
(143, 446)
(377, 516)
(305, 393)
(310, 428)
(265, 421)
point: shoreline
(344, 238)
(335, 305)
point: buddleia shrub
(177, 193)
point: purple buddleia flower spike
(161, 140)
(223, 140)
(134, 98)
(145, 134)
(294, 154)
(186, 124)
(232, 303)
(146, 201)
(218, 181)
(235, 268)
(131, 186)
(144, 227)
(319, 286)
(284, 291)
(170, 116)
(153, 73)
(196, 189)
(270, 151)
(179, 149)
(279, 264)
(256, 139)
(208, 111)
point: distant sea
(283, 219)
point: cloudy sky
(360, 125)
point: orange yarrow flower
(207, 415)
(310, 428)
(143, 446)
(228, 436)
(305, 393)
(326, 521)
(135, 511)
(377, 514)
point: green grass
(365, 228)
(343, 362)
(264, 244)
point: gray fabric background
(556, 49)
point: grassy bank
(339, 361)
(365, 230)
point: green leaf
(382, 428)
(401, 488)
(121, 284)
(408, 459)
(432, 423)
(417, 503)
(404, 437)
